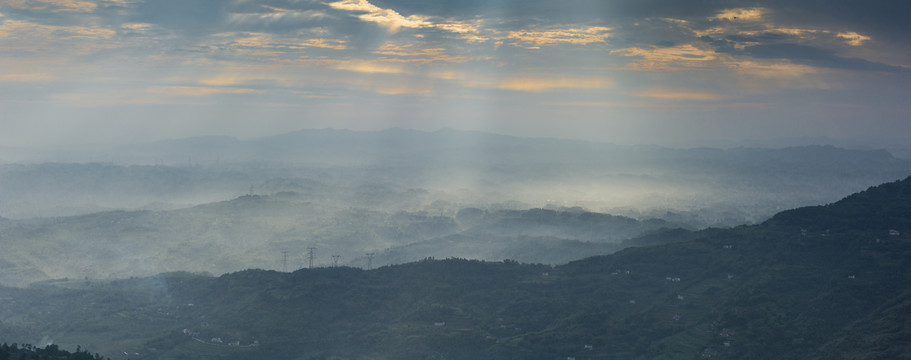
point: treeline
(28, 351)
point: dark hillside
(879, 208)
(808, 284)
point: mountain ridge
(750, 292)
(879, 207)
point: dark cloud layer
(813, 56)
(886, 20)
(795, 53)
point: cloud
(750, 27)
(471, 38)
(458, 27)
(390, 19)
(409, 49)
(27, 77)
(414, 53)
(198, 90)
(882, 20)
(404, 89)
(370, 67)
(137, 27)
(201, 52)
(815, 56)
(853, 38)
(51, 5)
(782, 70)
(575, 36)
(320, 43)
(20, 30)
(766, 34)
(223, 80)
(679, 94)
(745, 14)
(668, 58)
(277, 44)
(39, 39)
(550, 84)
(768, 76)
(393, 20)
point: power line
(370, 260)
(310, 255)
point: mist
(363, 179)
(218, 205)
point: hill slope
(754, 292)
(255, 231)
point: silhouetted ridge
(883, 207)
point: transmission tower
(310, 255)
(370, 260)
(335, 260)
(284, 260)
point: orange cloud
(549, 84)
(405, 90)
(563, 36)
(457, 27)
(679, 94)
(222, 80)
(198, 90)
(22, 30)
(267, 45)
(668, 58)
(387, 18)
(772, 70)
(414, 54)
(853, 38)
(392, 20)
(370, 67)
(52, 5)
(751, 14)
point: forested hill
(253, 231)
(49, 352)
(805, 285)
(885, 207)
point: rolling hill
(826, 282)
(276, 232)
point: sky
(664, 72)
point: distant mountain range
(471, 169)
(338, 146)
(824, 282)
(254, 231)
(220, 205)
